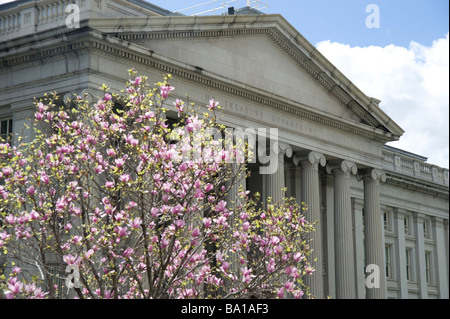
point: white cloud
(413, 85)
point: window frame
(388, 261)
(428, 267)
(8, 123)
(408, 264)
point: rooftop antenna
(214, 7)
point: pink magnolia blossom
(212, 104)
(137, 81)
(109, 184)
(180, 223)
(207, 222)
(125, 178)
(31, 190)
(309, 270)
(107, 97)
(165, 91)
(89, 253)
(179, 106)
(280, 293)
(110, 152)
(13, 289)
(121, 231)
(120, 162)
(39, 116)
(177, 209)
(193, 124)
(209, 187)
(298, 257)
(225, 266)
(71, 260)
(45, 179)
(16, 270)
(7, 171)
(195, 232)
(128, 252)
(298, 294)
(129, 139)
(220, 207)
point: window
(408, 264)
(426, 232)
(407, 226)
(388, 257)
(428, 266)
(387, 222)
(6, 130)
(55, 278)
(363, 222)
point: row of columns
(344, 261)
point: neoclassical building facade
(382, 212)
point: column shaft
(400, 246)
(374, 248)
(420, 256)
(345, 265)
(441, 269)
(275, 182)
(310, 195)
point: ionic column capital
(314, 158)
(283, 149)
(345, 166)
(374, 174)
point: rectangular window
(408, 264)
(387, 223)
(426, 232)
(55, 278)
(6, 130)
(388, 261)
(363, 223)
(428, 266)
(406, 225)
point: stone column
(232, 199)
(274, 183)
(344, 254)
(441, 270)
(446, 241)
(310, 196)
(357, 209)
(420, 255)
(298, 184)
(373, 225)
(400, 256)
(328, 231)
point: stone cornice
(416, 184)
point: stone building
(380, 210)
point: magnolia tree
(110, 201)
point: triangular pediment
(257, 62)
(262, 53)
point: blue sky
(343, 21)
